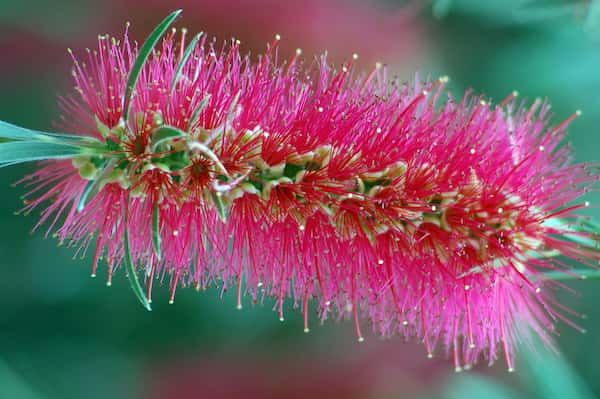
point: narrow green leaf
(86, 193)
(577, 227)
(93, 186)
(15, 385)
(14, 132)
(197, 111)
(441, 8)
(184, 59)
(165, 133)
(590, 226)
(592, 20)
(142, 57)
(221, 210)
(544, 12)
(583, 275)
(156, 231)
(24, 151)
(133, 278)
(549, 375)
(71, 138)
(469, 385)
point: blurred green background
(65, 335)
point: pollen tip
(108, 283)
(378, 65)
(458, 369)
(444, 79)
(171, 301)
(93, 275)
(277, 37)
(511, 370)
(239, 306)
(578, 112)
(306, 330)
(361, 339)
(515, 93)
(298, 51)
(430, 356)
(281, 319)
(354, 56)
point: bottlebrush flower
(431, 217)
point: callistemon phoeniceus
(195, 166)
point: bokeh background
(65, 335)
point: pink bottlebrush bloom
(431, 217)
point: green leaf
(221, 210)
(93, 186)
(14, 132)
(573, 273)
(165, 133)
(156, 230)
(142, 57)
(576, 227)
(133, 278)
(24, 151)
(542, 12)
(474, 385)
(15, 385)
(550, 375)
(197, 111)
(441, 8)
(184, 59)
(592, 20)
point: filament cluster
(429, 216)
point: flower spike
(142, 57)
(374, 200)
